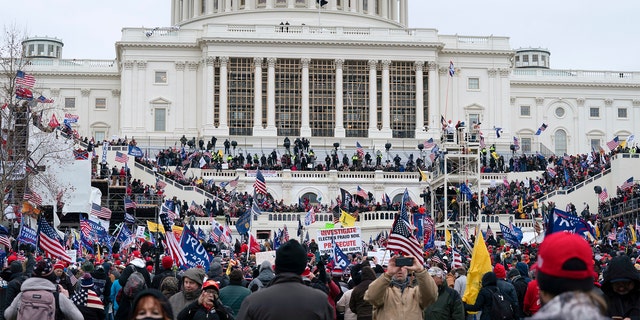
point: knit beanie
(87, 281)
(167, 262)
(43, 268)
(513, 273)
(195, 274)
(235, 277)
(565, 264)
(291, 257)
(499, 270)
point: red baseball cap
(559, 250)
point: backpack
(501, 307)
(135, 284)
(38, 304)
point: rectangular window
(525, 58)
(595, 144)
(70, 103)
(517, 58)
(474, 84)
(101, 103)
(100, 135)
(160, 119)
(594, 112)
(534, 58)
(525, 111)
(40, 49)
(525, 143)
(161, 77)
(622, 113)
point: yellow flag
(520, 207)
(220, 154)
(346, 219)
(495, 155)
(623, 144)
(422, 176)
(155, 227)
(447, 238)
(633, 234)
(597, 232)
(480, 264)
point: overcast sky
(586, 34)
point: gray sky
(587, 34)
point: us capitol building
(344, 71)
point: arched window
(313, 198)
(560, 139)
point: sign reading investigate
(348, 239)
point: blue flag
(509, 236)
(243, 223)
(195, 254)
(464, 189)
(341, 260)
(562, 221)
(276, 240)
(135, 152)
(27, 235)
(418, 220)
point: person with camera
(207, 306)
(394, 296)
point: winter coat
(520, 284)
(196, 311)
(531, 302)
(125, 303)
(390, 303)
(572, 305)
(363, 309)
(509, 292)
(484, 300)
(286, 298)
(627, 305)
(265, 277)
(447, 307)
(233, 295)
(68, 309)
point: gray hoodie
(67, 307)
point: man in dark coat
(621, 286)
(520, 284)
(291, 261)
(449, 304)
(484, 300)
(363, 275)
(125, 304)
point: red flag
(254, 246)
(53, 123)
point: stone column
(223, 93)
(128, 94)
(386, 107)
(305, 129)
(257, 95)
(208, 103)
(191, 101)
(197, 10)
(419, 65)
(140, 94)
(185, 10)
(373, 98)
(339, 129)
(209, 6)
(227, 5)
(180, 103)
(271, 95)
(434, 117)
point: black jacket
(363, 309)
(196, 311)
(125, 303)
(627, 305)
(485, 296)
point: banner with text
(348, 239)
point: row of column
(396, 10)
(305, 129)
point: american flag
(360, 192)
(516, 144)
(285, 234)
(429, 144)
(359, 150)
(456, 259)
(160, 184)
(227, 234)
(216, 232)
(4, 240)
(551, 172)
(100, 212)
(33, 198)
(50, 242)
(310, 217)
(129, 204)
(121, 157)
(260, 185)
(613, 143)
(604, 195)
(175, 250)
(627, 184)
(24, 79)
(401, 238)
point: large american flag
(121, 157)
(401, 238)
(50, 242)
(604, 195)
(175, 250)
(33, 198)
(24, 79)
(627, 184)
(260, 185)
(129, 204)
(613, 143)
(100, 212)
(4, 240)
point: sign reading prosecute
(348, 239)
